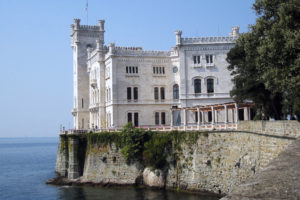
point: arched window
(175, 91)
(210, 85)
(162, 93)
(156, 93)
(197, 85)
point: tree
(265, 62)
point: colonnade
(219, 114)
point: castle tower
(83, 37)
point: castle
(114, 85)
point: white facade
(114, 85)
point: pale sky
(36, 57)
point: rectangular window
(82, 103)
(126, 70)
(197, 59)
(156, 93)
(129, 117)
(210, 85)
(133, 69)
(163, 70)
(136, 119)
(209, 116)
(162, 93)
(163, 118)
(136, 70)
(153, 70)
(135, 93)
(209, 59)
(156, 118)
(129, 93)
(196, 116)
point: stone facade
(217, 162)
(114, 85)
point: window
(158, 70)
(129, 93)
(135, 93)
(209, 59)
(82, 103)
(163, 118)
(209, 116)
(196, 116)
(136, 119)
(82, 123)
(156, 118)
(162, 93)
(175, 91)
(175, 69)
(197, 85)
(197, 59)
(129, 117)
(210, 85)
(131, 70)
(156, 93)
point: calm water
(27, 163)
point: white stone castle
(114, 85)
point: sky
(36, 57)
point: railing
(161, 128)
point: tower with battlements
(83, 37)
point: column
(198, 113)
(246, 114)
(203, 120)
(184, 118)
(212, 115)
(216, 116)
(172, 118)
(226, 116)
(236, 113)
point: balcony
(74, 111)
(209, 65)
(197, 65)
(93, 83)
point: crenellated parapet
(86, 31)
(137, 51)
(209, 40)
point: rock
(154, 178)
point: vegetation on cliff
(265, 62)
(150, 148)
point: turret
(101, 25)
(178, 37)
(235, 31)
(76, 24)
(111, 48)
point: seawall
(214, 161)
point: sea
(27, 163)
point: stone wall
(105, 164)
(216, 162)
(274, 128)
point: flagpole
(87, 12)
